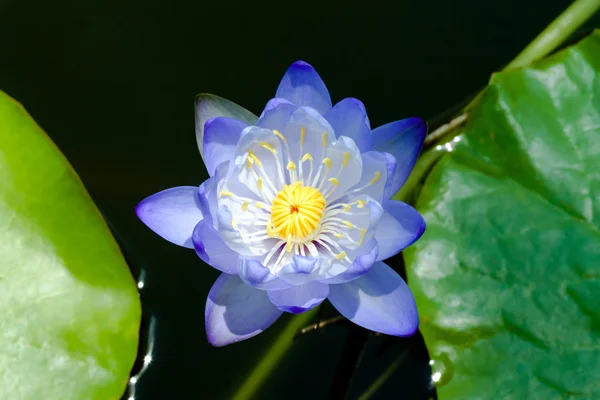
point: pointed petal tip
(414, 121)
(172, 214)
(357, 102)
(410, 327)
(303, 86)
(400, 227)
(215, 342)
(349, 118)
(138, 209)
(403, 139)
(417, 125)
(276, 114)
(420, 231)
(210, 106)
(410, 332)
(301, 63)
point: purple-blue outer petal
(276, 114)
(361, 265)
(172, 214)
(235, 311)
(212, 250)
(391, 166)
(207, 194)
(204, 190)
(375, 212)
(221, 136)
(380, 301)
(299, 299)
(400, 226)
(303, 86)
(349, 118)
(258, 276)
(403, 139)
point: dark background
(113, 84)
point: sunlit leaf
(69, 314)
(507, 276)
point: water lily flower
(297, 210)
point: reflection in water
(147, 360)
(141, 279)
(148, 324)
(442, 369)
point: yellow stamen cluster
(296, 212)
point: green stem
(547, 41)
(269, 361)
(556, 33)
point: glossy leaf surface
(507, 275)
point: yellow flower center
(296, 213)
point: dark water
(113, 84)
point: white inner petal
(274, 171)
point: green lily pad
(70, 312)
(507, 275)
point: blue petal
(302, 270)
(253, 139)
(209, 106)
(344, 157)
(207, 194)
(304, 87)
(299, 299)
(221, 136)
(402, 139)
(304, 265)
(380, 301)
(349, 118)
(390, 165)
(276, 114)
(258, 276)
(315, 127)
(231, 236)
(376, 162)
(172, 214)
(212, 250)
(400, 227)
(235, 311)
(361, 265)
